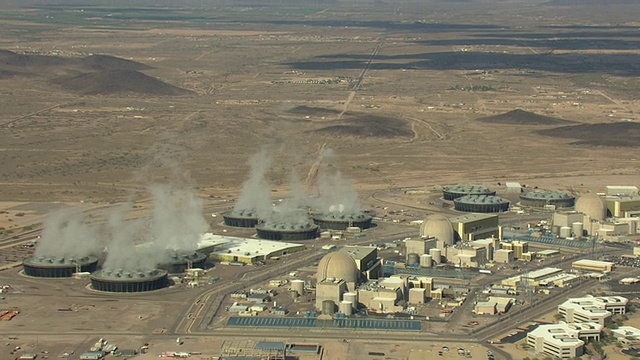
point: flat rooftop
(358, 252)
(587, 262)
(472, 217)
(541, 273)
(237, 246)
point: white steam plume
(255, 195)
(66, 234)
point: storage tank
(298, 286)
(426, 261)
(352, 297)
(413, 259)
(565, 232)
(294, 294)
(328, 307)
(436, 254)
(555, 230)
(346, 307)
(578, 229)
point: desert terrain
(98, 101)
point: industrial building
(366, 259)
(420, 246)
(533, 278)
(119, 280)
(592, 309)
(460, 190)
(341, 221)
(623, 206)
(248, 251)
(481, 204)
(493, 305)
(52, 267)
(543, 198)
(287, 232)
(241, 218)
(626, 334)
(475, 226)
(503, 256)
(625, 190)
(337, 274)
(519, 248)
(466, 255)
(592, 265)
(562, 340)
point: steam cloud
(66, 234)
(255, 196)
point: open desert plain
(99, 100)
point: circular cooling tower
(438, 227)
(241, 218)
(481, 204)
(460, 190)
(338, 265)
(287, 232)
(178, 263)
(341, 221)
(542, 198)
(55, 267)
(592, 206)
(118, 280)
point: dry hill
(522, 117)
(621, 134)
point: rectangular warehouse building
(592, 265)
(475, 226)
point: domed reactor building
(592, 205)
(338, 265)
(178, 263)
(124, 281)
(336, 220)
(460, 190)
(542, 198)
(58, 267)
(439, 227)
(287, 232)
(241, 218)
(481, 204)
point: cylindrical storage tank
(294, 294)
(555, 230)
(352, 297)
(328, 307)
(346, 307)
(436, 254)
(426, 261)
(413, 259)
(298, 286)
(565, 232)
(578, 229)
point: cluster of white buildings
(584, 320)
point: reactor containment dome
(338, 265)
(592, 205)
(335, 220)
(439, 227)
(542, 198)
(125, 281)
(57, 267)
(241, 218)
(481, 204)
(460, 190)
